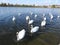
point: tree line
(23, 5)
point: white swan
(27, 18)
(20, 34)
(35, 16)
(31, 13)
(58, 16)
(51, 16)
(34, 29)
(44, 18)
(43, 23)
(30, 21)
(13, 19)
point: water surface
(8, 28)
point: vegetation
(16, 5)
(23, 5)
(53, 6)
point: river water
(8, 28)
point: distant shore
(34, 6)
(30, 7)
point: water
(8, 28)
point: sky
(36, 2)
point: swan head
(44, 18)
(27, 17)
(31, 26)
(35, 16)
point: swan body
(20, 34)
(30, 21)
(34, 29)
(43, 23)
(13, 19)
(51, 16)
